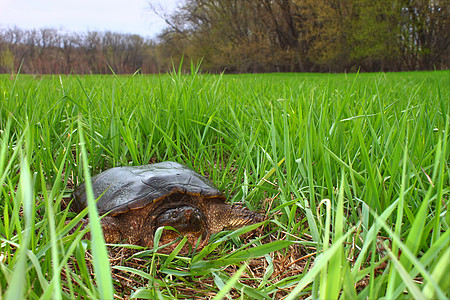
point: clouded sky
(124, 16)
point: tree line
(311, 35)
(47, 50)
(252, 36)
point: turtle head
(185, 219)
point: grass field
(351, 170)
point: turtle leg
(110, 227)
(111, 230)
(229, 217)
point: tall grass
(352, 171)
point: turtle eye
(174, 215)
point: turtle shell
(129, 188)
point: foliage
(351, 170)
(311, 35)
(7, 60)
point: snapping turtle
(140, 199)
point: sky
(122, 16)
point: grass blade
(18, 286)
(319, 265)
(230, 283)
(100, 254)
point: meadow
(351, 171)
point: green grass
(352, 171)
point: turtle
(140, 199)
